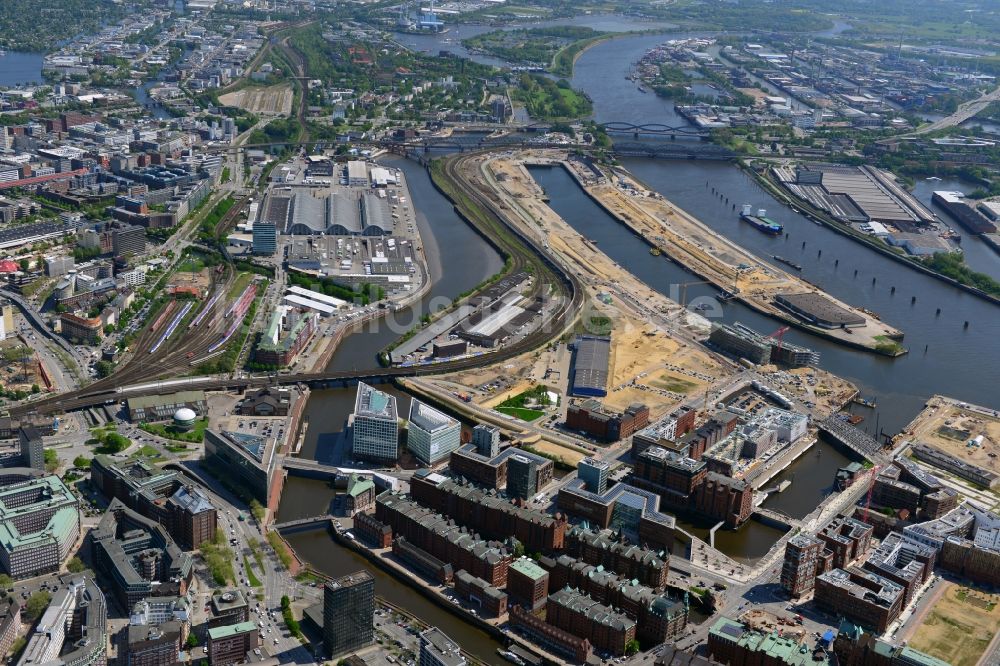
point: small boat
(655, 251)
(701, 307)
(510, 656)
(641, 89)
(787, 262)
(760, 221)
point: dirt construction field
(959, 627)
(945, 425)
(272, 101)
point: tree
(25, 264)
(104, 368)
(36, 605)
(82, 462)
(51, 460)
(632, 647)
(35, 388)
(6, 582)
(75, 565)
(518, 549)
(192, 640)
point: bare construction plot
(270, 101)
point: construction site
(270, 101)
(961, 429)
(738, 274)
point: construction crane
(779, 335)
(871, 487)
(684, 287)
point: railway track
(471, 203)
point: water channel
(18, 68)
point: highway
(965, 111)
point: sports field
(959, 626)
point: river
(18, 68)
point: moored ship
(760, 221)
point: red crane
(871, 487)
(779, 334)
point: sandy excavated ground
(946, 426)
(271, 101)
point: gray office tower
(486, 438)
(32, 449)
(594, 473)
(522, 477)
(348, 613)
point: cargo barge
(760, 221)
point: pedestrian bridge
(780, 518)
(312, 521)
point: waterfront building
(443, 539)
(486, 440)
(360, 495)
(578, 614)
(372, 530)
(527, 584)
(436, 649)
(594, 473)
(348, 613)
(492, 601)
(861, 596)
(73, 630)
(558, 641)
(743, 341)
(422, 561)
(159, 494)
(137, 557)
(431, 435)
(373, 425)
(485, 513)
(249, 460)
(229, 644)
(39, 525)
(522, 477)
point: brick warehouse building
(443, 539)
(591, 418)
(649, 567)
(580, 615)
(492, 516)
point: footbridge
(303, 523)
(779, 518)
(860, 442)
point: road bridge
(845, 434)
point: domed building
(184, 418)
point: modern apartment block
(847, 538)
(486, 440)
(804, 560)
(348, 613)
(904, 561)
(480, 466)
(431, 435)
(522, 477)
(863, 597)
(137, 557)
(158, 494)
(374, 426)
(39, 525)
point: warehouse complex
(589, 374)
